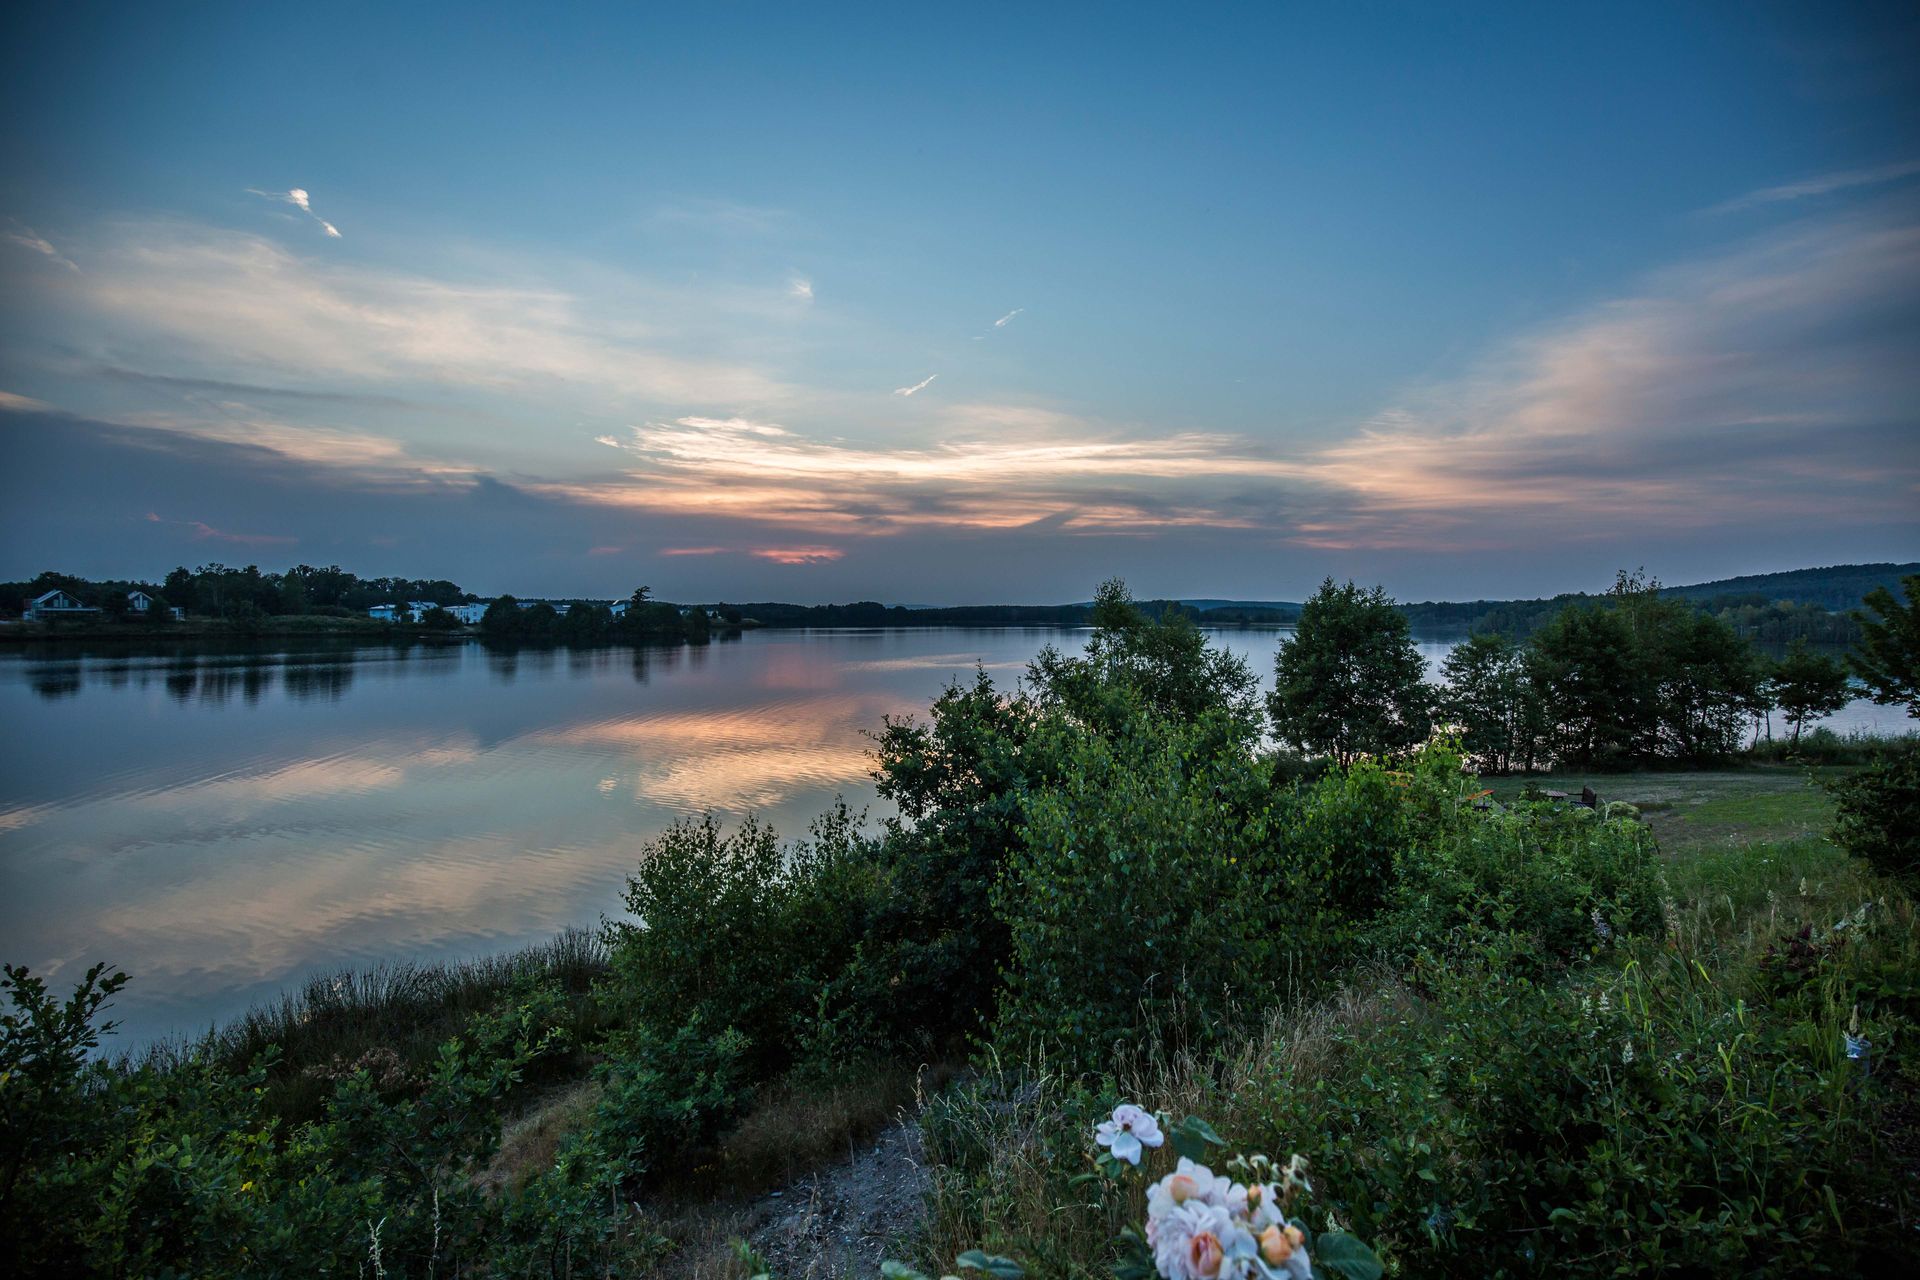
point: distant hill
(1810, 604)
(1840, 586)
(1767, 606)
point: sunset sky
(958, 304)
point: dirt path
(839, 1221)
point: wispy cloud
(692, 551)
(1001, 323)
(204, 531)
(798, 555)
(11, 403)
(299, 199)
(1820, 185)
(241, 303)
(1001, 466)
(1773, 379)
(800, 288)
(921, 385)
(28, 238)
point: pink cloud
(202, 530)
(798, 555)
(692, 551)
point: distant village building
(619, 608)
(468, 613)
(57, 604)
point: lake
(223, 825)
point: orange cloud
(798, 555)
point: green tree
(1132, 660)
(1888, 658)
(1596, 704)
(1489, 695)
(1807, 686)
(1350, 683)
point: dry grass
(797, 1126)
(530, 1144)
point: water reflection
(223, 822)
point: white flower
(1189, 1182)
(1195, 1240)
(1130, 1130)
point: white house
(387, 613)
(468, 613)
(619, 608)
(138, 602)
(57, 604)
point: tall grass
(389, 1019)
(1821, 745)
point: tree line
(1634, 677)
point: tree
(1350, 683)
(1807, 686)
(1489, 697)
(1888, 658)
(1133, 660)
(1583, 665)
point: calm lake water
(224, 825)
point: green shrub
(1564, 878)
(1640, 1124)
(1154, 889)
(1877, 812)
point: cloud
(234, 302)
(1001, 323)
(797, 555)
(800, 288)
(1821, 185)
(202, 530)
(999, 466)
(605, 551)
(921, 385)
(298, 198)
(27, 238)
(692, 551)
(1775, 378)
(12, 403)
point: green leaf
(900, 1271)
(1343, 1253)
(991, 1263)
(1192, 1136)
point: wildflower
(1626, 1053)
(1601, 929)
(1199, 1241)
(1189, 1183)
(1130, 1130)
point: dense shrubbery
(1507, 1042)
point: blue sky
(1482, 301)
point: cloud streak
(299, 199)
(1002, 322)
(1823, 184)
(28, 238)
(917, 387)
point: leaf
(1192, 1136)
(900, 1271)
(991, 1263)
(1343, 1253)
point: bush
(1563, 878)
(1154, 888)
(1877, 812)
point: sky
(979, 304)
